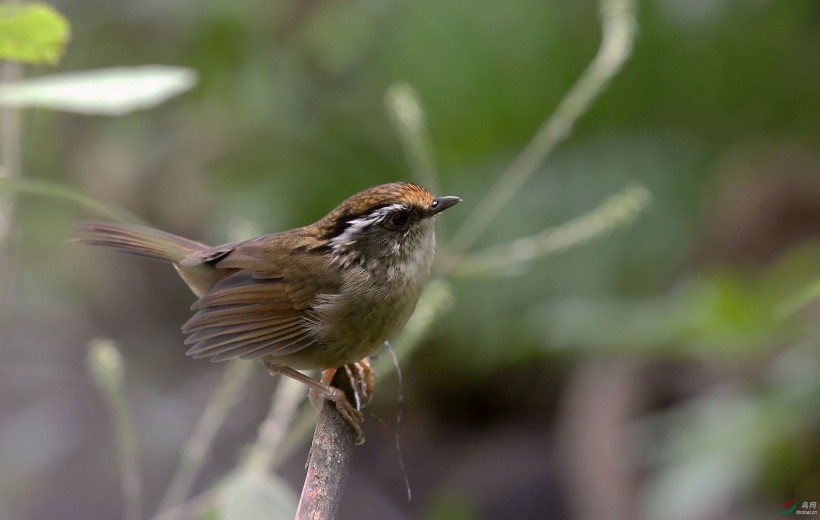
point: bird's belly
(351, 326)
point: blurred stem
(265, 451)
(106, 367)
(618, 210)
(303, 423)
(618, 32)
(197, 449)
(10, 145)
(602, 474)
(284, 403)
(64, 193)
(10, 168)
(407, 116)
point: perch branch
(329, 460)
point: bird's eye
(400, 219)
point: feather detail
(249, 316)
(137, 240)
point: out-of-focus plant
(38, 34)
(34, 34)
(741, 433)
(116, 91)
(106, 367)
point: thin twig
(329, 460)
(618, 30)
(197, 449)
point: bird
(318, 297)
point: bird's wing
(258, 309)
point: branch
(329, 460)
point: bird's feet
(360, 375)
(359, 379)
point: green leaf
(113, 91)
(32, 33)
(257, 496)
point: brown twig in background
(329, 460)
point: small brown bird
(317, 297)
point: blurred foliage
(716, 115)
(114, 91)
(716, 317)
(32, 33)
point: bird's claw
(361, 381)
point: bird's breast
(364, 314)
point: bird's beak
(442, 203)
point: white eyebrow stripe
(348, 236)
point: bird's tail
(136, 240)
